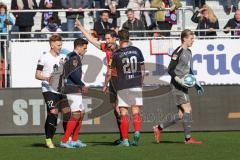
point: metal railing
(176, 33)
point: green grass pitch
(217, 145)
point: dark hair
(80, 42)
(105, 11)
(54, 38)
(123, 35)
(129, 10)
(2, 5)
(112, 33)
(185, 33)
(52, 20)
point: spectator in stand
(52, 26)
(165, 19)
(233, 23)
(141, 15)
(114, 15)
(230, 5)
(5, 19)
(49, 4)
(206, 20)
(102, 25)
(133, 24)
(136, 4)
(149, 24)
(24, 20)
(71, 16)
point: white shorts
(130, 96)
(75, 102)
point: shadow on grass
(102, 143)
(40, 145)
(169, 142)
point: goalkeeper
(178, 68)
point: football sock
(65, 119)
(76, 131)
(50, 125)
(137, 121)
(187, 125)
(174, 119)
(70, 127)
(124, 126)
(118, 118)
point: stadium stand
(218, 9)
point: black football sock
(50, 125)
(118, 119)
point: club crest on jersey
(174, 57)
(75, 62)
(61, 61)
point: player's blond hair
(185, 33)
(54, 38)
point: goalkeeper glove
(181, 81)
(199, 88)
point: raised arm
(89, 37)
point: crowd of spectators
(162, 19)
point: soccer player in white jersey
(47, 64)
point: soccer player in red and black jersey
(108, 47)
(128, 62)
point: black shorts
(55, 101)
(113, 90)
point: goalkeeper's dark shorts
(180, 96)
(55, 101)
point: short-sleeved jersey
(127, 62)
(47, 63)
(73, 74)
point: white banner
(215, 61)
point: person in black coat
(206, 21)
(24, 21)
(233, 23)
(49, 4)
(114, 15)
(102, 25)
